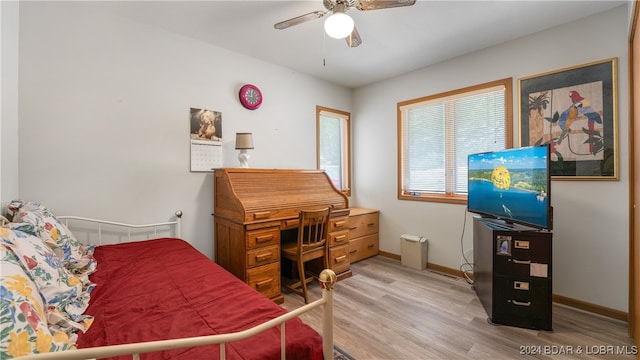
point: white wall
(590, 248)
(104, 116)
(9, 102)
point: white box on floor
(414, 251)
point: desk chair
(311, 244)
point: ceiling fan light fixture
(339, 25)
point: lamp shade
(244, 141)
(339, 25)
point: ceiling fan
(339, 25)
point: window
(333, 147)
(437, 133)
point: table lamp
(244, 141)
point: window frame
(346, 145)
(450, 197)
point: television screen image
(512, 185)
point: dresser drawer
(522, 255)
(361, 225)
(337, 238)
(363, 247)
(289, 223)
(535, 265)
(338, 223)
(263, 255)
(339, 258)
(263, 237)
(265, 279)
(522, 297)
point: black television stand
(512, 273)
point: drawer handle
(264, 283)
(353, 251)
(264, 256)
(353, 228)
(371, 246)
(371, 224)
(339, 223)
(262, 215)
(341, 258)
(520, 303)
(340, 238)
(264, 238)
(522, 262)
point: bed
(149, 298)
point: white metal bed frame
(327, 280)
(177, 223)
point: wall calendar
(206, 140)
(206, 155)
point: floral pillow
(22, 315)
(76, 257)
(65, 296)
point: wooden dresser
(253, 207)
(363, 233)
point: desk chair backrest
(313, 228)
(311, 244)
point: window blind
(439, 134)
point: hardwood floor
(388, 311)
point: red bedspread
(164, 288)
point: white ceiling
(395, 41)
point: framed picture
(575, 111)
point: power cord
(466, 267)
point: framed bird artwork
(575, 111)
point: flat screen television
(513, 185)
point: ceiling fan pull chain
(324, 49)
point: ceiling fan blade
(299, 19)
(382, 4)
(354, 39)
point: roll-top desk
(251, 209)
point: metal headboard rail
(177, 223)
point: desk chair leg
(303, 281)
(326, 258)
